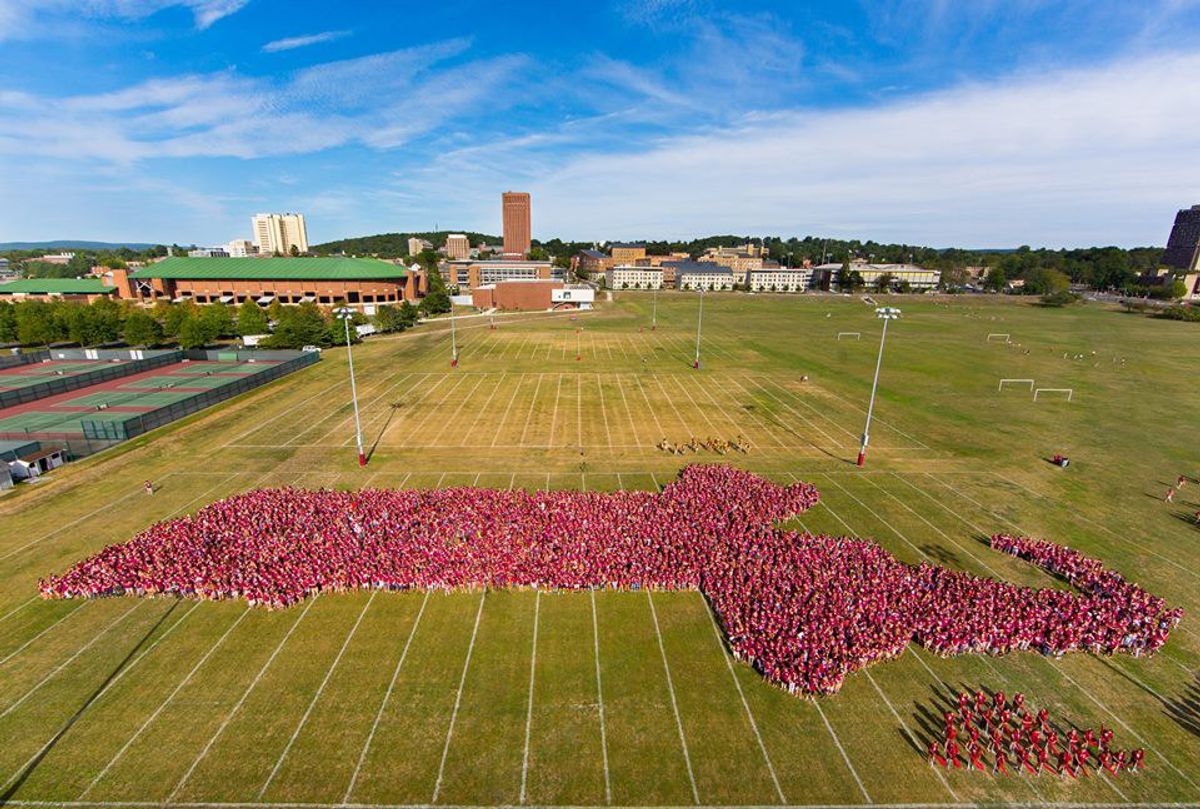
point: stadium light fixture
(346, 314)
(884, 313)
(699, 323)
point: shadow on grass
(30, 766)
(382, 430)
(1184, 710)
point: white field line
(317, 696)
(907, 732)
(27, 643)
(876, 420)
(649, 406)
(603, 411)
(621, 345)
(687, 759)
(485, 408)
(695, 403)
(13, 706)
(438, 485)
(41, 750)
(768, 429)
(362, 756)
(579, 407)
(263, 424)
(671, 401)
(17, 609)
(554, 413)
(462, 681)
(632, 422)
(798, 398)
(833, 442)
(434, 409)
(537, 605)
(842, 750)
(449, 423)
(241, 701)
(749, 714)
(874, 514)
(499, 426)
(657, 487)
(373, 418)
(368, 400)
(600, 700)
(163, 705)
(532, 403)
(512, 481)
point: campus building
(779, 279)
(517, 229)
(694, 275)
(468, 274)
(82, 290)
(1183, 245)
(416, 245)
(278, 233)
(266, 280)
(529, 295)
(241, 248)
(458, 246)
(919, 279)
(626, 252)
(591, 262)
(634, 277)
(739, 259)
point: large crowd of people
(1015, 739)
(803, 609)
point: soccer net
(1069, 391)
(856, 335)
(995, 335)
(1004, 382)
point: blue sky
(944, 122)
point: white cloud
(291, 43)
(30, 19)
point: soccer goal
(994, 335)
(1004, 382)
(1069, 391)
(855, 334)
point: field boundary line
(362, 756)
(317, 696)
(18, 608)
(742, 694)
(687, 758)
(908, 732)
(600, 700)
(537, 606)
(83, 603)
(846, 758)
(163, 705)
(462, 681)
(237, 706)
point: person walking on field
(1179, 483)
(1170, 498)
(149, 487)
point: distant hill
(68, 244)
(395, 245)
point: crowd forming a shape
(805, 610)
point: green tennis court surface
(179, 382)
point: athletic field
(623, 699)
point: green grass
(154, 702)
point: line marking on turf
(529, 415)
(317, 696)
(298, 805)
(24, 645)
(241, 701)
(579, 407)
(362, 756)
(603, 411)
(537, 605)
(650, 407)
(657, 487)
(842, 750)
(875, 419)
(832, 441)
(754, 414)
(13, 706)
(452, 420)
(17, 609)
(628, 410)
(484, 408)
(554, 413)
(500, 424)
(600, 700)
(158, 711)
(462, 681)
(907, 732)
(742, 694)
(687, 759)
(369, 399)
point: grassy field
(627, 699)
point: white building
(278, 233)
(709, 277)
(416, 245)
(779, 279)
(208, 252)
(241, 248)
(631, 277)
(918, 278)
(581, 296)
(458, 246)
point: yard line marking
(907, 732)
(632, 424)
(874, 514)
(484, 409)
(600, 699)
(656, 486)
(650, 407)
(749, 715)
(671, 401)
(385, 413)
(842, 750)
(438, 485)
(17, 609)
(703, 412)
(620, 485)
(876, 419)
(436, 408)
(798, 398)
(763, 420)
(158, 711)
(554, 415)
(297, 805)
(621, 346)
(241, 701)
(529, 415)
(500, 424)
(368, 400)
(832, 441)
(462, 681)
(687, 759)
(512, 481)
(452, 419)
(476, 481)
(12, 707)
(24, 645)
(362, 756)
(537, 605)
(261, 425)
(317, 696)
(604, 410)
(579, 407)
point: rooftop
(627, 245)
(333, 268)
(56, 286)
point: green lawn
(629, 699)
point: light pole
(699, 322)
(345, 314)
(884, 313)
(654, 312)
(453, 339)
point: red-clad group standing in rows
(1016, 739)
(804, 609)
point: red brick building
(517, 229)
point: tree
(435, 303)
(36, 324)
(193, 334)
(884, 282)
(251, 319)
(1043, 281)
(175, 315)
(843, 277)
(142, 330)
(8, 322)
(856, 281)
(293, 251)
(538, 254)
(409, 314)
(217, 320)
(995, 279)
(389, 319)
(299, 326)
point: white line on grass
(625, 399)
(529, 416)
(158, 711)
(600, 700)
(362, 756)
(26, 644)
(462, 681)
(537, 605)
(17, 609)
(650, 407)
(484, 408)
(241, 701)
(907, 732)
(833, 442)
(687, 759)
(317, 696)
(579, 407)
(604, 410)
(554, 414)
(500, 424)
(749, 714)
(842, 750)
(299, 805)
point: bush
(1059, 298)
(1187, 313)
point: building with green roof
(78, 289)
